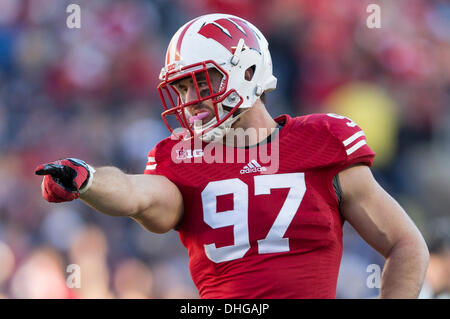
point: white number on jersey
(238, 217)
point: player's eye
(204, 89)
(181, 88)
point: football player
(250, 232)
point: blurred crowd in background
(90, 93)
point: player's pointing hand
(64, 180)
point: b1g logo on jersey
(186, 154)
(228, 32)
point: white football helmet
(228, 44)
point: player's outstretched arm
(152, 200)
(384, 225)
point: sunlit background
(91, 93)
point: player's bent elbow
(414, 247)
(423, 252)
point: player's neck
(253, 127)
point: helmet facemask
(197, 119)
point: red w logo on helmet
(228, 32)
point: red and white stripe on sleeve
(355, 142)
(150, 168)
(352, 138)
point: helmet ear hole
(250, 72)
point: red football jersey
(260, 228)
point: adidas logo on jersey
(252, 167)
